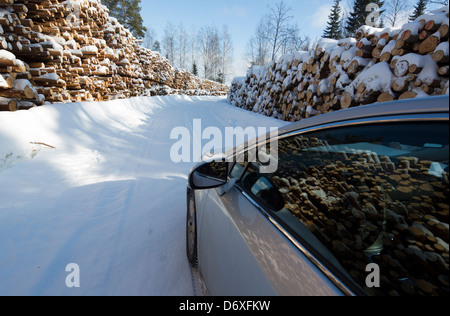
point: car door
(225, 261)
(241, 253)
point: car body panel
(244, 255)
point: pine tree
(359, 15)
(194, 69)
(419, 10)
(334, 27)
(128, 13)
(156, 47)
(220, 78)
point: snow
(343, 81)
(103, 70)
(337, 52)
(389, 47)
(430, 69)
(326, 44)
(6, 14)
(325, 86)
(239, 80)
(348, 56)
(370, 30)
(365, 41)
(443, 47)
(90, 49)
(429, 72)
(50, 76)
(391, 31)
(4, 54)
(347, 42)
(375, 78)
(439, 16)
(53, 44)
(414, 27)
(3, 83)
(20, 84)
(107, 197)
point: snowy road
(108, 198)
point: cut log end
(428, 45)
(407, 95)
(440, 57)
(347, 101)
(8, 105)
(385, 97)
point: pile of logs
(377, 65)
(368, 208)
(72, 50)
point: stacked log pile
(377, 65)
(368, 208)
(72, 50)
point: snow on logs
(72, 50)
(377, 65)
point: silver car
(358, 205)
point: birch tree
(182, 41)
(395, 11)
(209, 51)
(258, 48)
(278, 20)
(226, 53)
(169, 42)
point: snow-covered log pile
(377, 65)
(72, 50)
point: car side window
(262, 187)
(237, 170)
(373, 194)
(240, 163)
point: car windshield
(368, 194)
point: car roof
(427, 105)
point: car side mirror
(209, 175)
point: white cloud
(237, 11)
(320, 17)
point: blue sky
(241, 16)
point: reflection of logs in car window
(368, 208)
(219, 169)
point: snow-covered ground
(107, 197)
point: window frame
(343, 282)
(233, 165)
